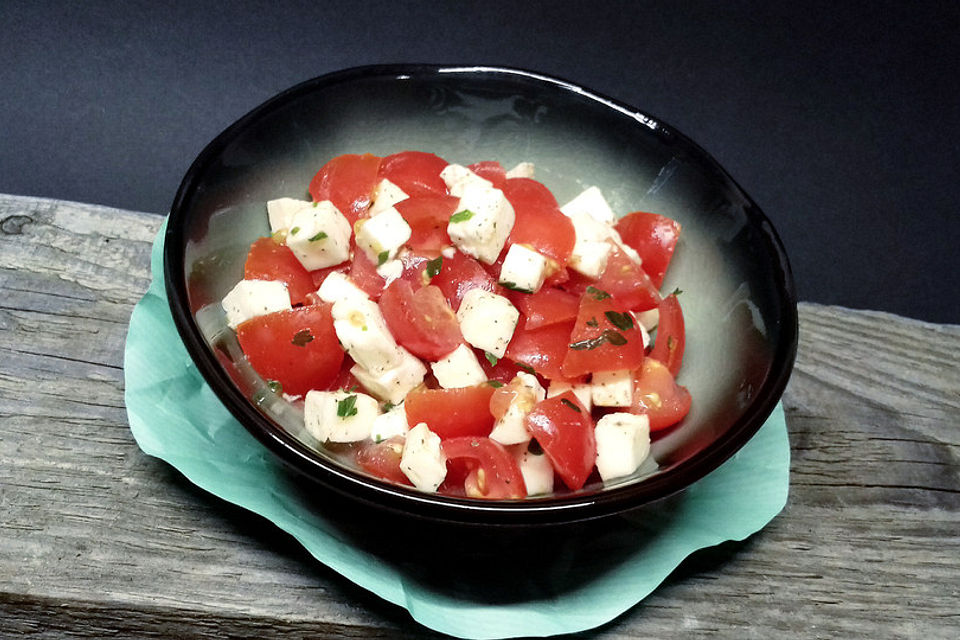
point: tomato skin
(382, 459)
(421, 320)
(268, 260)
(543, 349)
(503, 371)
(452, 413)
(564, 429)
(595, 320)
(547, 306)
(364, 274)
(654, 237)
(671, 336)
(539, 222)
(494, 473)
(490, 170)
(348, 181)
(461, 273)
(278, 349)
(657, 395)
(428, 217)
(417, 173)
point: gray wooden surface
(97, 539)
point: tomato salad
(455, 329)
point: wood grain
(98, 539)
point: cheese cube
(339, 286)
(390, 424)
(459, 368)
(280, 212)
(523, 269)
(482, 223)
(648, 320)
(521, 170)
(623, 443)
(423, 461)
(536, 470)
(487, 321)
(339, 416)
(252, 298)
(393, 384)
(584, 392)
(363, 332)
(511, 427)
(319, 236)
(390, 270)
(385, 196)
(612, 388)
(381, 236)
(457, 177)
(592, 203)
(590, 257)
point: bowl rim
(407, 500)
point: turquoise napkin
(579, 585)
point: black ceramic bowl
(738, 300)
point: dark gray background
(842, 122)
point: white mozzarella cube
(523, 269)
(319, 236)
(623, 443)
(385, 196)
(648, 320)
(457, 177)
(612, 388)
(459, 368)
(590, 257)
(644, 334)
(592, 203)
(521, 170)
(536, 470)
(511, 427)
(339, 416)
(363, 332)
(252, 298)
(390, 270)
(339, 286)
(487, 321)
(393, 384)
(280, 212)
(584, 392)
(423, 461)
(390, 424)
(448, 252)
(482, 223)
(381, 236)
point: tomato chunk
(268, 260)
(547, 306)
(420, 320)
(654, 237)
(494, 473)
(416, 173)
(564, 429)
(298, 348)
(604, 338)
(657, 395)
(539, 222)
(382, 459)
(348, 181)
(671, 337)
(452, 413)
(364, 274)
(543, 349)
(461, 273)
(428, 217)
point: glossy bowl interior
(738, 295)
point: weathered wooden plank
(98, 539)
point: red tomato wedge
(624, 279)
(452, 413)
(654, 237)
(504, 370)
(539, 222)
(547, 306)
(564, 429)
(543, 349)
(657, 395)
(382, 459)
(461, 273)
(348, 181)
(671, 337)
(364, 274)
(490, 170)
(268, 260)
(494, 473)
(428, 217)
(420, 320)
(416, 173)
(297, 348)
(604, 338)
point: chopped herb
(571, 405)
(513, 287)
(301, 338)
(352, 389)
(320, 236)
(526, 368)
(461, 216)
(677, 291)
(492, 359)
(387, 406)
(592, 322)
(589, 344)
(382, 258)
(315, 204)
(275, 386)
(378, 439)
(496, 384)
(534, 447)
(294, 231)
(347, 407)
(614, 338)
(598, 294)
(434, 266)
(621, 321)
